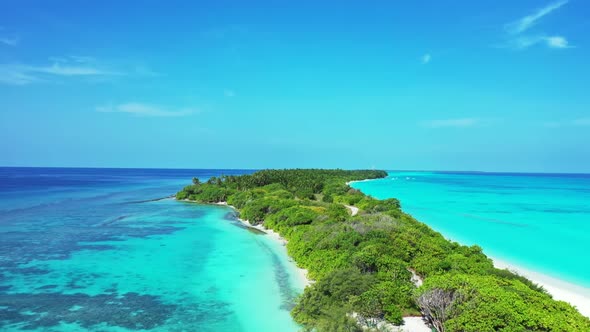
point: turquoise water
(88, 250)
(538, 221)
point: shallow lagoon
(89, 250)
(538, 221)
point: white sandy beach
(302, 273)
(349, 182)
(575, 295)
(411, 324)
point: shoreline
(562, 290)
(576, 295)
(365, 180)
(411, 323)
(302, 273)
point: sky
(422, 85)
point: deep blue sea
(537, 221)
(91, 250)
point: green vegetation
(361, 264)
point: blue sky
(453, 85)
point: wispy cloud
(517, 39)
(75, 65)
(556, 42)
(550, 41)
(147, 110)
(426, 58)
(443, 123)
(22, 74)
(72, 70)
(523, 24)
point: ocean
(540, 222)
(93, 250)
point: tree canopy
(362, 263)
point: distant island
(372, 264)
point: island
(372, 264)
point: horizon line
(327, 168)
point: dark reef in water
(20, 248)
(34, 311)
(150, 200)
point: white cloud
(460, 122)
(525, 23)
(22, 74)
(71, 70)
(74, 65)
(426, 58)
(520, 41)
(558, 42)
(147, 110)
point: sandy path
(353, 210)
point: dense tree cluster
(362, 263)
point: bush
(257, 210)
(506, 304)
(361, 263)
(240, 199)
(335, 289)
(327, 198)
(181, 195)
(337, 212)
(295, 215)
